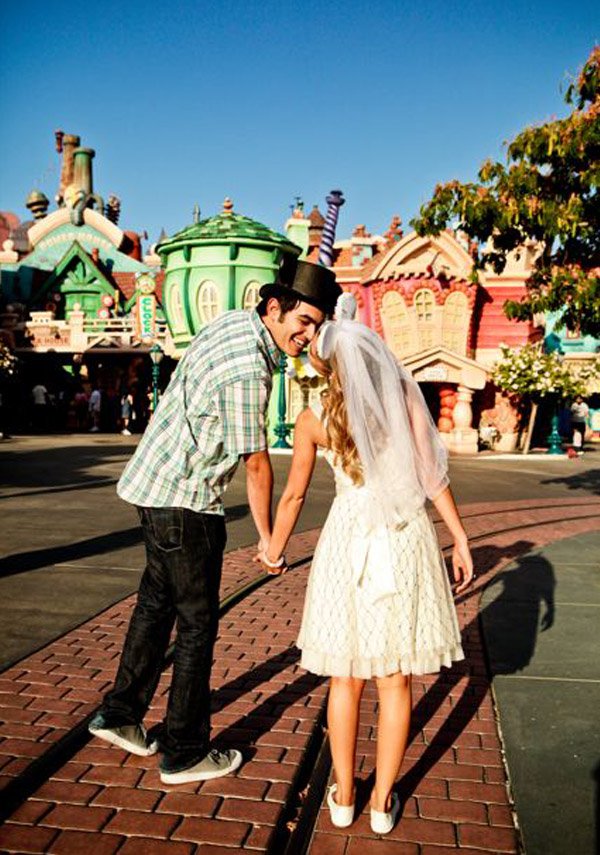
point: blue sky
(188, 102)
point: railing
(79, 334)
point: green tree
(547, 192)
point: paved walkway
(454, 784)
(540, 618)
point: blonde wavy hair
(335, 419)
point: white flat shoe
(382, 822)
(341, 815)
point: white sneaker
(214, 765)
(129, 737)
(126, 432)
(341, 815)
(382, 821)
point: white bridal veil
(403, 457)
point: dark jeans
(184, 554)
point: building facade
(74, 285)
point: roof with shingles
(226, 227)
(126, 282)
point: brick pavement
(453, 786)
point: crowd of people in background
(94, 407)
(85, 408)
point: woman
(378, 602)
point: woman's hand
(272, 567)
(462, 566)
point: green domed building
(216, 265)
(219, 264)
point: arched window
(208, 301)
(424, 305)
(251, 296)
(456, 322)
(175, 306)
(397, 328)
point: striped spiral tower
(335, 200)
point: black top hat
(313, 284)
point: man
(40, 397)
(211, 415)
(579, 416)
(95, 408)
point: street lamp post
(156, 354)
(555, 445)
(281, 429)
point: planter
(506, 442)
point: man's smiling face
(293, 331)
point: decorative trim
(63, 216)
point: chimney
(82, 170)
(335, 200)
(68, 143)
(37, 202)
(315, 230)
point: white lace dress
(378, 601)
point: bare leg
(343, 710)
(395, 707)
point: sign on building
(146, 307)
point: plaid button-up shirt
(212, 412)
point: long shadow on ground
(22, 562)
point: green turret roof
(228, 227)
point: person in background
(81, 405)
(579, 416)
(95, 407)
(126, 411)
(40, 398)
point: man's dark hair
(286, 301)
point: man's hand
(261, 548)
(462, 566)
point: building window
(176, 306)
(397, 329)
(456, 322)
(424, 305)
(208, 301)
(251, 297)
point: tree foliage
(546, 192)
(530, 373)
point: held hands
(273, 568)
(462, 566)
(270, 566)
(261, 547)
